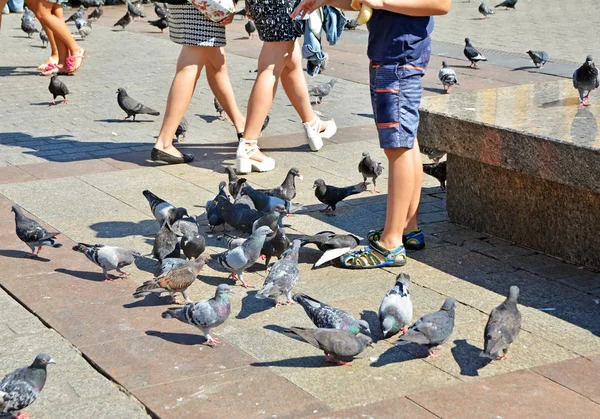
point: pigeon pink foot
(23, 416)
(432, 355)
(503, 357)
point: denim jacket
(332, 21)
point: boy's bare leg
(412, 222)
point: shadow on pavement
(20, 254)
(120, 229)
(88, 275)
(252, 305)
(150, 300)
(300, 362)
(467, 357)
(393, 355)
(178, 338)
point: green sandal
(374, 256)
(413, 240)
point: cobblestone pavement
(65, 166)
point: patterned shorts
(187, 26)
(272, 19)
(396, 91)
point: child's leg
(189, 66)
(220, 84)
(412, 222)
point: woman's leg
(294, 85)
(220, 84)
(54, 54)
(189, 66)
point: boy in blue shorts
(399, 50)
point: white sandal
(243, 161)
(313, 133)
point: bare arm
(411, 7)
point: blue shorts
(395, 96)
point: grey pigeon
(193, 245)
(124, 21)
(321, 90)
(97, 12)
(586, 79)
(332, 195)
(264, 202)
(131, 106)
(161, 23)
(472, 54)
(328, 317)
(166, 244)
(539, 58)
(185, 226)
(509, 4)
(28, 27)
(485, 10)
(85, 31)
(250, 28)
(28, 15)
(206, 314)
(282, 277)
(447, 76)
(163, 210)
(178, 279)
(32, 233)
(134, 11)
(433, 153)
(79, 14)
(213, 211)
(438, 171)
(272, 219)
(91, 3)
(396, 309)
(109, 258)
(503, 327)
(244, 200)
(275, 245)
(80, 23)
(168, 264)
(219, 109)
(22, 387)
(161, 11)
(432, 329)
(181, 130)
(340, 347)
(239, 259)
(231, 242)
(351, 24)
(333, 245)
(235, 183)
(44, 38)
(369, 168)
(58, 88)
(287, 190)
(239, 217)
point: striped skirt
(187, 26)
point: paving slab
(575, 374)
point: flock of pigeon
(259, 213)
(585, 79)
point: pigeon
(272, 219)
(239, 259)
(287, 190)
(509, 4)
(432, 329)
(22, 387)
(28, 15)
(370, 169)
(169, 264)
(447, 76)
(282, 277)
(333, 245)
(321, 90)
(396, 309)
(85, 31)
(160, 11)
(109, 258)
(325, 316)
(438, 171)
(250, 28)
(134, 11)
(351, 24)
(586, 79)
(332, 195)
(219, 109)
(79, 14)
(472, 54)
(275, 246)
(178, 279)
(131, 106)
(193, 245)
(503, 327)
(32, 233)
(80, 23)
(91, 3)
(235, 183)
(263, 202)
(163, 210)
(181, 130)
(44, 39)
(238, 216)
(244, 200)
(185, 226)
(433, 153)
(161, 23)
(124, 21)
(485, 10)
(57, 88)
(340, 347)
(97, 12)
(213, 211)
(205, 314)
(166, 244)
(231, 242)
(28, 27)
(539, 58)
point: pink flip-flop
(70, 62)
(49, 70)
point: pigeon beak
(231, 292)
(300, 177)
(51, 361)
